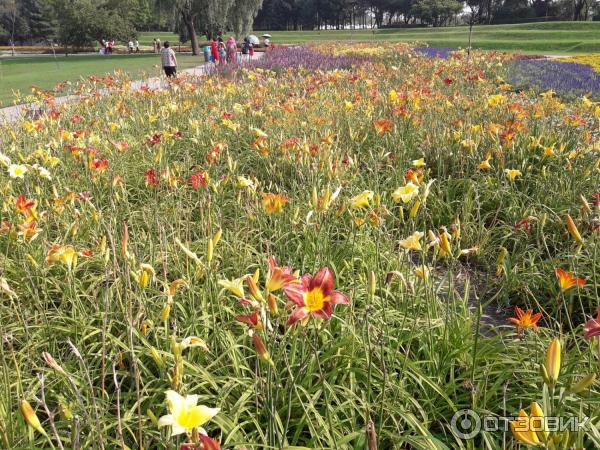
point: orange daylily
(525, 319)
(273, 203)
(278, 277)
(382, 126)
(567, 280)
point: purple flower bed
(292, 57)
(431, 52)
(566, 78)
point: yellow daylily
(236, 286)
(418, 163)
(405, 193)
(512, 173)
(413, 242)
(521, 430)
(145, 274)
(361, 200)
(185, 414)
(64, 254)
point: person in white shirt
(137, 46)
(130, 46)
(168, 60)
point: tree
(436, 12)
(83, 22)
(40, 19)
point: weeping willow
(211, 17)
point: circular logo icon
(466, 424)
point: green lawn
(547, 37)
(20, 73)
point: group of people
(106, 46)
(133, 46)
(218, 52)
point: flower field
(334, 250)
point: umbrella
(253, 39)
(266, 35)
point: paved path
(13, 113)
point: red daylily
(523, 224)
(382, 126)
(199, 179)
(592, 326)
(151, 178)
(253, 320)
(25, 206)
(448, 81)
(314, 296)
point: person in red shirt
(214, 50)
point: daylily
(17, 171)
(278, 277)
(567, 280)
(25, 206)
(30, 416)
(521, 429)
(314, 295)
(361, 200)
(592, 326)
(418, 163)
(512, 173)
(485, 164)
(405, 193)
(145, 274)
(236, 286)
(273, 203)
(525, 319)
(413, 242)
(573, 231)
(382, 126)
(253, 320)
(185, 414)
(65, 254)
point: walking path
(13, 113)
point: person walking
(130, 46)
(231, 50)
(157, 50)
(168, 60)
(136, 44)
(222, 51)
(214, 50)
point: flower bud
(553, 361)
(253, 288)
(273, 309)
(261, 350)
(372, 283)
(573, 231)
(584, 383)
(158, 359)
(30, 417)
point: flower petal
(323, 279)
(295, 292)
(298, 314)
(166, 421)
(337, 298)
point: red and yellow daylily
(314, 296)
(65, 254)
(525, 319)
(382, 126)
(567, 280)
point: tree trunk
(188, 19)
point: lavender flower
(430, 52)
(566, 78)
(293, 57)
